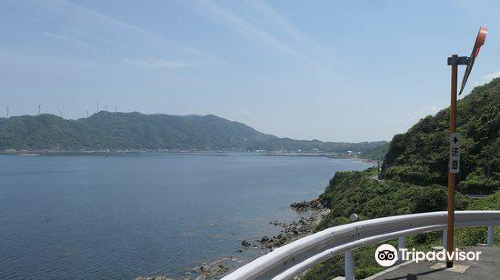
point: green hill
(376, 153)
(420, 156)
(106, 130)
(415, 176)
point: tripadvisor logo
(387, 255)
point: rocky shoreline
(313, 211)
(212, 270)
(295, 230)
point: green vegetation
(491, 202)
(420, 156)
(377, 153)
(472, 236)
(415, 177)
(106, 130)
(357, 192)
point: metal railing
(294, 258)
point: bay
(128, 215)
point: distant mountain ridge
(106, 130)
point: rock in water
(211, 272)
(307, 205)
(161, 277)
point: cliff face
(420, 156)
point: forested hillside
(420, 156)
(377, 153)
(106, 130)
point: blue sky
(330, 70)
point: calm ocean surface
(125, 216)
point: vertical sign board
(454, 152)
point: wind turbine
(60, 113)
(7, 111)
(40, 109)
(97, 107)
(87, 113)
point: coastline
(106, 152)
(313, 211)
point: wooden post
(451, 176)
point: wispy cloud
(487, 78)
(422, 112)
(73, 31)
(155, 62)
(69, 40)
(283, 23)
(90, 24)
(429, 110)
(248, 29)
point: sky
(329, 70)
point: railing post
(445, 236)
(491, 234)
(349, 265)
(401, 245)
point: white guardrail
(294, 258)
